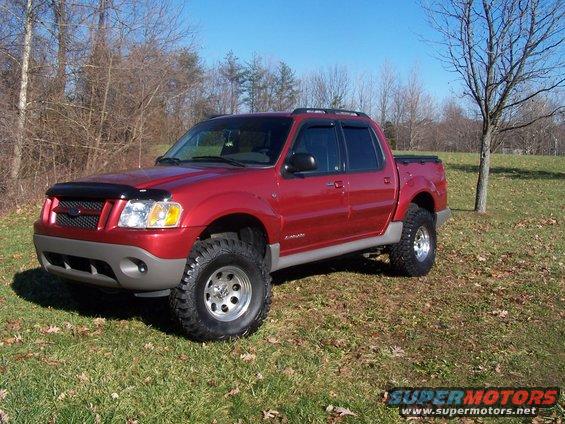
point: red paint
(299, 213)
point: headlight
(150, 214)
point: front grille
(87, 219)
(95, 205)
(83, 221)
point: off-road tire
(187, 302)
(402, 255)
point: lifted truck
(236, 198)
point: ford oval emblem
(73, 212)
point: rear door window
(362, 153)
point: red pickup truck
(236, 198)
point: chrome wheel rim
(422, 243)
(227, 294)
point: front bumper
(107, 265)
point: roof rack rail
(301, 110)
(216, 115)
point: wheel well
(242, 226)
(425, 201)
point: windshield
(247, 140)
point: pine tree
(286, 90)
(233, 74)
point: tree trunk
(59, 9)
(484, 169)
(22, 101)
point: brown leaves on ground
(52, 329)
(501, 313)
(4, 417)
(12, 340)
(83, 377)
(339, 411)
(3, 394)
(232, 392)
(14, 325)
(99, 322)
(247, 357)
(270, 414)
(397, 352)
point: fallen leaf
(273, 340)
(259, 376)
(270, 414)
(99, 321)
(498, 369)
(52, 329)
(481, 259)
(12, 340)
(4, 417)
(114, 396)
(288, 371)
(132, 421)
(340, 411)
(247, 357)
(500, 313)
(397, 352)
(183, 357)
(14, 325)
(148, 346)
(83, 377)
(232, 392)
(3, 394)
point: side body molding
(391, 235)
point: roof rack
(301, 110)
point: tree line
(94, 85)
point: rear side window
(321, 142)
(361, 149)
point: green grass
(339, 332)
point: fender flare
(411, 188)
(221, 205)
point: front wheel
(414, 255)
(225, 291)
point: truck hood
(161, 175)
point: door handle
(387, 180)
(335, 184)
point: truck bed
(405, 159)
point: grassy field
(339, 333)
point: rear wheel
(414, 255)
(225, 291)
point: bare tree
(418, 109)
(386, 86)
(22, 100)
(507, 53)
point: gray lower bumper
(442, 216)
(107, 265)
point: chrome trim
(392, 235)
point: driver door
(314, 203)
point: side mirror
(301, 162)
(157, 159)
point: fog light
(142, 267)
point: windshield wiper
(218, 159)
(172, 161)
